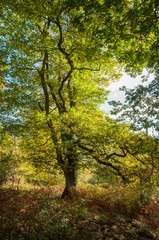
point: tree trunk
(71, 182)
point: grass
(93, 213)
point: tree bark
(70, 182)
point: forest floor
(40, 214)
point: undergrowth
(92, 213)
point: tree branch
(88, 69)
(94, 155)
(112, 166)
(70, 62)
(54, 97)
(41, 108)
(43, 83)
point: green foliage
(140, 106)
(6, 157)
(60, 57)
(115, 150)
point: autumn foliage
(93, 213)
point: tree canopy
(60, 56)
(140, 107)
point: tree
(61, 56)
(124, 156)
(6, 156)
(140, 106)
(122, 151)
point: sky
(127, 81)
